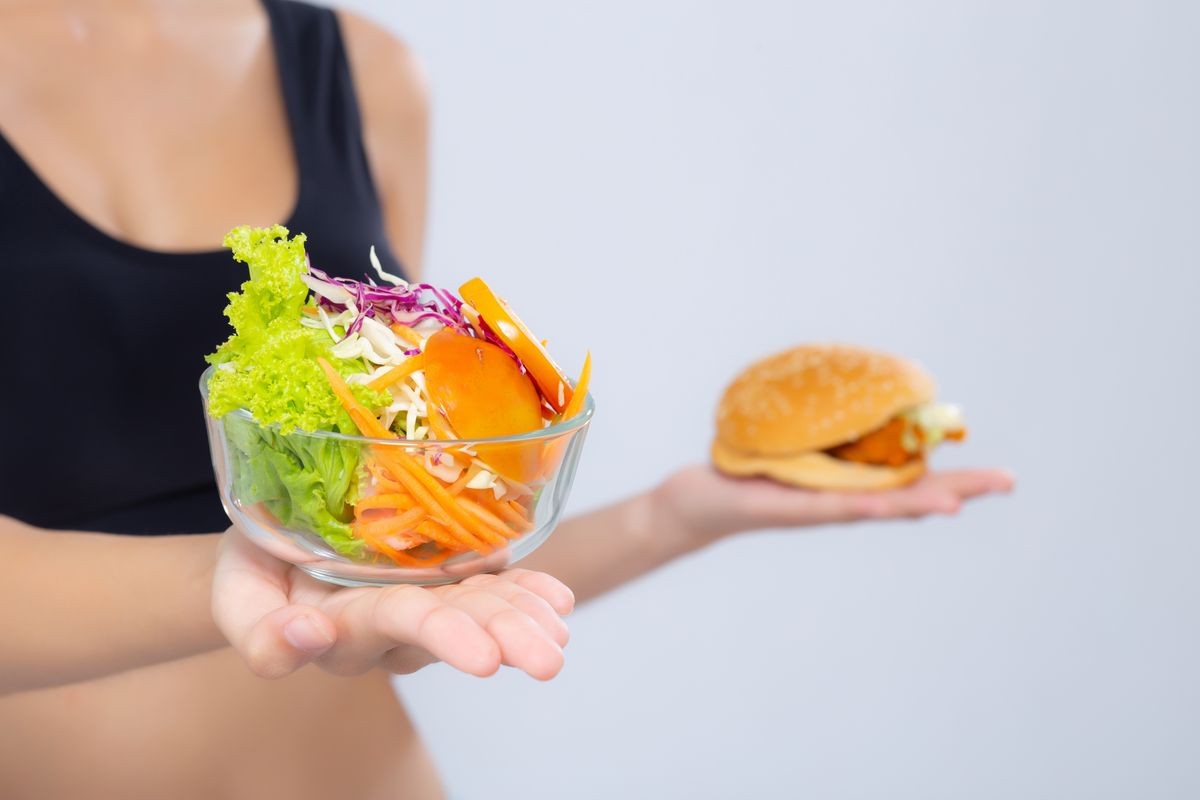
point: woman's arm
(695, 507)
(75, 606)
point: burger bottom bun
(816, 470)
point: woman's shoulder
(388, 77)
(393, 100)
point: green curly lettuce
(269, 365)
(269, 368)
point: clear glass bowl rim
(552, 432)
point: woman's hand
(706, 505)
(279, 618)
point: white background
(1009, 191)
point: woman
(134, 135)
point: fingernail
(304, 634)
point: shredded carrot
(554, 450)
(488, 518)
(399, 501)
(516, 506)
(406, 333)
(442, 498)
(398, 372)
(575, 404)
(432, 529)
(514, 518)
(459, 484)
(384, 482)
(501, 508)
(392, 525)
(363, 418)
(439, 424)
(310, 310)
(406, 560)
(379, 545)
(409, 474)
(433, 560)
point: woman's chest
(164, 138)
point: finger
(406, 659)
(552, 590)
(818, 508)
(376, 621)
(526, 602)
(523, 643)
(921, 500)
(969, 483)
(251, 608)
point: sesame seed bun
(780, 413)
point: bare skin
(105, 695)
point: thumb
(286, 639)
(250, 606)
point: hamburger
(832, 417)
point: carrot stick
(390, 525)
(398, 372)
(575, 404)
(367, 423)
(398, 501)
(459, 484)
(434, 530)
(380, 546)
(490, 519)
(410, 475)
(513, 518)
(428, 561)
(406, 560)
(518, 508)
(444, 499)
(383, 481)
(439, 424)
(406, 333)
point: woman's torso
(205, 728)
(133, 140)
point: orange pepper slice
(548, 376)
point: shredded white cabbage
(382, 339)
(343, 318)
(331, 292)
(395, 280)
(446, 467)
(481, 479)
(935, 421)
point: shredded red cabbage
(406, 304)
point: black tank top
(105, 341)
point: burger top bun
(814, 397)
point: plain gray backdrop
(1009, 191)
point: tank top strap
(318, 91)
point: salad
(387, 360)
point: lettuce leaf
(269, 368)
(269, 365)
(306, 482)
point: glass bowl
(275, 487)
